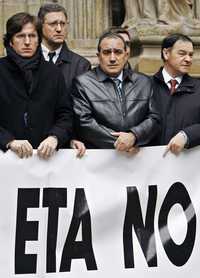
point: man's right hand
(21, 147)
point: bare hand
(176, 144)
(21, 147)
(133, 150)
(47, 147)
(79, 146)
(125, 140)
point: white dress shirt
(45, 52)
(167, 78)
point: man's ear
(10, 43)
(165, 52)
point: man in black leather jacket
(110, 115)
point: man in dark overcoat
(178, 95)
(54, 23)
(35, 111)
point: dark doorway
(118, 12)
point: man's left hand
(47, 147)
(176, 144)
(125, 141)
(79, 147)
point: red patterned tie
(173, 83)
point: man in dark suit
(178, 95)
(54, 22)
(35, 111)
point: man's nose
(188, 58)
(112, 57)
(27, 40)
(58, 27)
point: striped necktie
(118, 87)
(51, 55)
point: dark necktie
(173, 83)
(118, 88)
(51, 55)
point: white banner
(105, 215)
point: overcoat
(180, 111)
(35, 114)
(71, 65)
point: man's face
(54, 29)
(25, 42)
(178, 59)
(112, 56)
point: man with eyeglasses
(114, 107)
(34, 109)
(54, 24)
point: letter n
(144, 232)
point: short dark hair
(170, 40)
(109, 35)
(120, 30)
(15, 24)
(50, 8)
(135, 44)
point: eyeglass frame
(55, 24)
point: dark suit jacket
(180, 111)
(33, 116)
(71, 65)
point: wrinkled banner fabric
(105, 215)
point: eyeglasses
(109, 51)
(55, 24)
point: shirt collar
(167, 77)
(120, 76)
(45, 52)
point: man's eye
(107, 51)
(118, 51)
(21, 36)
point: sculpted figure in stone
(177, 11)
(140, 11)
(167, 12)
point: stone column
(88, 19)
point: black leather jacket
(99, 111)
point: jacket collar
(65, 55)
(102, 76)
(187, 84)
